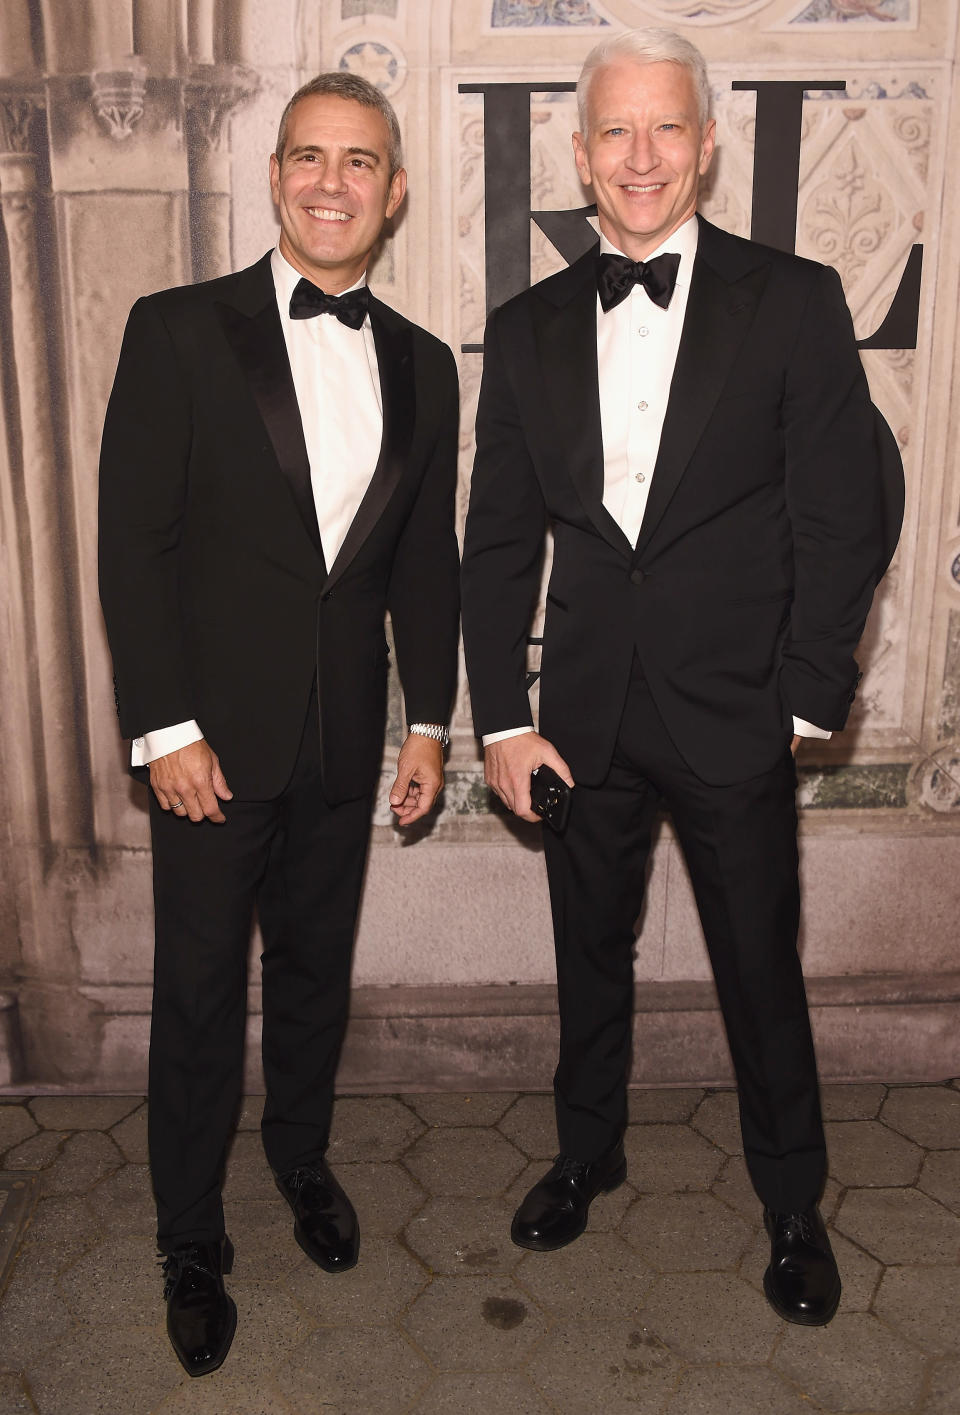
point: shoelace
(571, 1168)
(174, 1265)
(803, 1223)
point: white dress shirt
(337, 383)
(637, 345)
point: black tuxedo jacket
(217, 601)
(773, 510)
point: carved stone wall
(134, 137)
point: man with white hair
(688, 413)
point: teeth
(654, 187)
(324, 213)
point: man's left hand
(419, 778)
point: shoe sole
(541, 1246)
(799, 1319)
(314, 1257)
(222, 1356)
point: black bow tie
(616, 276)
(351, 308)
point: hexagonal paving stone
(475, 1163)
(865, 1154)
(733, 1187)
(262, 1233)
(226, 1391)
(83, 1161)
(531, 1123)
(860, 1101)
(718, 1118)
(124, 1203)
(686, 1232)
(474, 1394)
(598, 1278)
(125, 1371)
(14, 1399)
(371, 1128)
(705, 1316)
(270, 1324)
(371, 1370)
(82, 1112)
(16, 1124)
(34, 1318)
(746, 1390)
(456, 1108)
(60, 1231)
(606, 1211)
(939, 1177)
(853, 1364)
(666, 1105)
(942, 1393)
(665, 1159)
(385, 1196)
(130, 1136)
(454, 1236)
(382, 1285)
(618, 1368)
(930, 1115)
(248, 1176)
(922, 1304)
(900, 1226)
(471, 1323)
(39, 1152)
(117, 1282)
(250, 1113)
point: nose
(642, 156)
(329, 179)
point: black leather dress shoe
(326, 1225)
(802, 1283)
(555, 1211)
(201, 1316)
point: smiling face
(333, 189)
(644, 152)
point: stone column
(210, 93)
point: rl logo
(776, 174)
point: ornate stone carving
(849, 215)
(937, 782)
(382, 63)
(118, 96)
(17, 107)
(210, 94)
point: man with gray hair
(272, 482)
(688, 413)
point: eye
(615, 132)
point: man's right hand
(509, 763)
(189, 782)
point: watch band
(432, 730)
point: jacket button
(637, 576)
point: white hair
(646, 46)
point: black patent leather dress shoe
(326, 1225)
(802, 1283)
(555, 1211)
(201, 1316)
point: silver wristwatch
(432, 730)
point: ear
(398, 187)
(275, 179)
(581, 159)
(707, 145)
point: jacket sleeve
(423, 595)
(502, 554)
(835, 505)
(143, 487)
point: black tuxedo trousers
(299, 861)
(739, 842)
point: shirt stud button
(639, 477)
(643, 331)
(643, 406)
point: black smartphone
(550, 797)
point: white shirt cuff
(801, 728)
(162, 740)
(492, 737)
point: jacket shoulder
(736, 255)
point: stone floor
(658, 1308)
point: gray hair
(340, 83)
(646, 46)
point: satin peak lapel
(258, 343)
(719, 314)
(394, 345)
(566, 336)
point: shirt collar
(683, 241)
